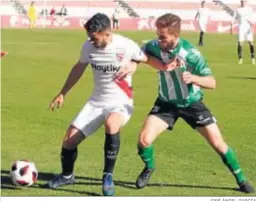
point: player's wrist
(62, 93)
(195, 79)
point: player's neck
(175, 44)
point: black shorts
(196, 115)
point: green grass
(34, 71)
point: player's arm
(73, 77)
(201, 74)
(233, 20)
(137, 56)
(151, 58)
(197, 15)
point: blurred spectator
(63, 10)
(44, 11)
(53, 11)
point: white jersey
(203, 15)
(105, 64)
(244, 16)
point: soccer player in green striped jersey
(180, 95)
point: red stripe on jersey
(125, 87)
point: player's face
(100, 39)
(242, 3)
(166, 39)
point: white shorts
(245, 35)
(91, 118)
(202, 26)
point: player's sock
(68, 158)
(231, 161)
(111, 148)
(147, 156)
(201, 38)
(239, 51)
(252, 50)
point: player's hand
(188, 78)
(125, 71)
(173, 64)
(57, 102)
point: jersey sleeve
(135, 52)
(151, 49)
(84, 54)
(198, 64)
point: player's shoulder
(152, 44)
(185, 44)
(87, 45)
(188, 49)
(123, 40)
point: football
(23, 173)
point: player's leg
(241, 39)
(118, 23)
(250, 41)
(116, 117)
(213, 135)
(114, 24)
(160, 118)
(202, 27)
(31, 23)
(87, 122)
(199, 117)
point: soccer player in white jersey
(111, 102)
(244, 16)
(202, 17)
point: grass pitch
(36, 68)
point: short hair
(97, 23)
(170, 21)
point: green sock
(231, 161)
(147, 156)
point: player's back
(105, 64)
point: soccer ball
(23, 173)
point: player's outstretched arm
(154, 62)
(159, 65)
(129, 69)
(72, 79)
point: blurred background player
(244, 16)
(202, 17)
(115, 19)
(32, 15)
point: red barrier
(125, 24)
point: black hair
(97, 23)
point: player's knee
(72, 139)
(145, 139)
(113, 124)
(219, 144)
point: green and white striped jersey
(171, 87)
